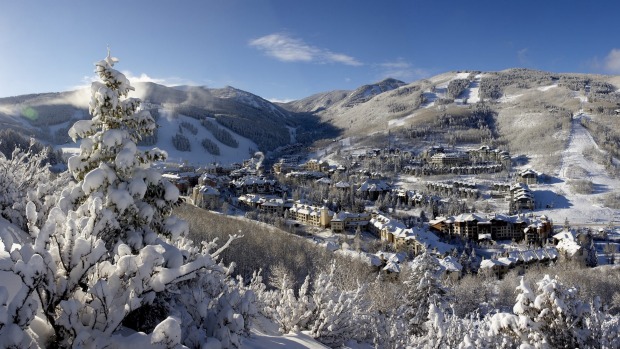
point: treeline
(181, 143)
(457, 126)
(456, 87)
(264, 129)
(189, 127)
(492, 84)
(11, 140)
(210, 146)
(606, 137)
(220, 134)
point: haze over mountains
(524, 111)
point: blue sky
(284, 50)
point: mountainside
(524, 111)
(342, 98)
(263, 124)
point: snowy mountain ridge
(517, 99)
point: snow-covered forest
(98, 257)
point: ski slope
(566, 204)
(169, 125)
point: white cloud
(523, 57)
(612, 61)
(143, 78)
(402, 70)
(171, 81)
(280, 100)
(288, 49)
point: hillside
(256, 123)
(526, 112)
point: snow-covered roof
(392, 267)
(342, 184)
(324, 180)
(374, 185)
(528, 256)
(506, 261)
(429, 240)
(488, 264)
(251, 180)
(450, 264)
(342, 215)
(437, 220)
(365, 257)
(528, 172)
(208, 190)
(469, 217)
(308, 210)
(564, 235)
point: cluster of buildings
(460, 189)
(496, 227)
(437, 156)
(415, 239)
(520, 260)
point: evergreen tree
(592, 257)
(423, 288)
(134, 200)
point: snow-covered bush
(111, 248)
(328, 313)
(553, 318)
(24, 177)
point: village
(357, 207)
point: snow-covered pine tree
(110, 248)
(423, 288)
(135, 199)
(592, 256)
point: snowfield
(169, 126)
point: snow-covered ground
(265, 335)
(578, 208)
(509, 98)
(580, 96)
(293, 132)
(401, 121)
(545, 88)
(470, 94)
